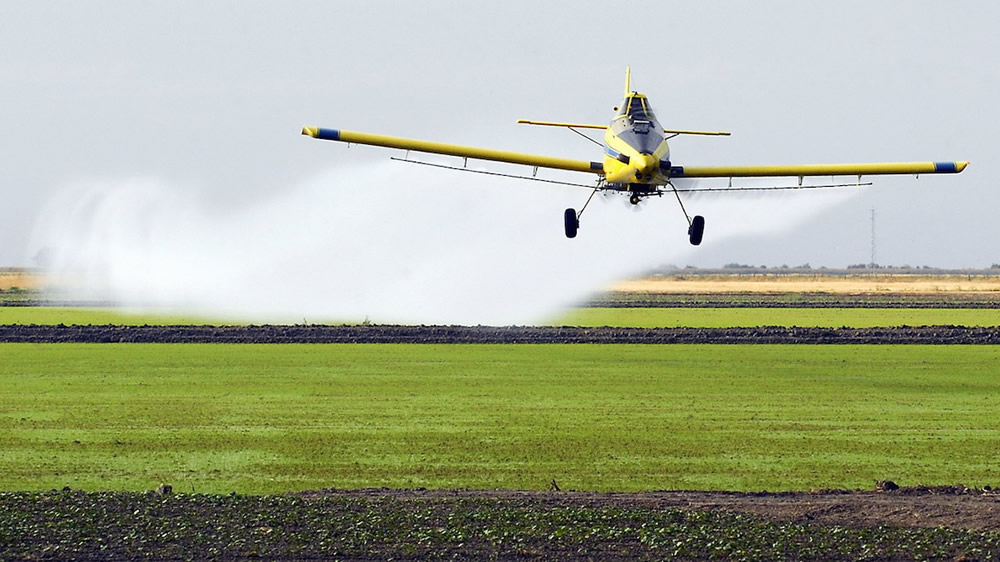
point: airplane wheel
(571, 222)
(634, 199)
(696, 230)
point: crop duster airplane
(637, 161)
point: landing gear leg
(571, 218)
(696, 225)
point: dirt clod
(886, 486)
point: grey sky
(210, 97)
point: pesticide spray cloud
(389, 243)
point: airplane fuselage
(636, 153)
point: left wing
(455, 150)
(882, 168)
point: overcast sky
(209, 97)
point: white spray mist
(391, 243)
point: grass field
(589, 317)
(802, 317)
(51, 315)
(254, 419)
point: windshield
(636, 108)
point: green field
(590, 317)
(84, 316)
(271, 418)
(802, 317)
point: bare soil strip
(954, 507)
(919, 524)
(496, 335)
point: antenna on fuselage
(628, 80)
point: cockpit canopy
(636, 108)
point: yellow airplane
(636, 160)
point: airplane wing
(454, 150)
(882, 168)
(585, 126)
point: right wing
(455, 150)
(882, 168)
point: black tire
(634, 199)
(696, 230)
(571, 222)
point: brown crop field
(18, 279)
(906, 284)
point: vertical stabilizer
(628, 80)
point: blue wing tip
(320, 133)
(328, 134)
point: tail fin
(628, 80)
